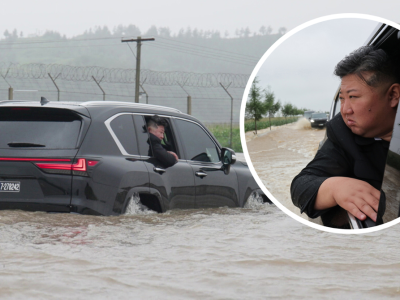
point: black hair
(369, 59)
(155, 121)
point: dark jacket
(157, 151)
(343, 154)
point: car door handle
(159, 170)
(201, 174)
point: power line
(207, 47)
(218, 58)
(11, 43)
(54, 47)
(207, 53)
(58, 41)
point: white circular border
(243, 107)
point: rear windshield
(38, 128)
(319, 116)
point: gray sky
(300, 70)
(72, 17)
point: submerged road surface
(253, 253)
(256, 252)
(278, 155)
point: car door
(214, 188)
(391, 177)
(175, 184)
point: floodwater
(257, 252)
(250, 253)
(278, 155)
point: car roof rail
(11, 101)
(138, 105)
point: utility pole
(226, 90)
(138, 41)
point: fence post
(10, 89)
(147, 95)
(98, 83)
(189, 100)
(226, 90)
(10, 93)
(189, 105)
(54, 81)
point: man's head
(156, 125)
(369, 91)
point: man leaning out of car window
(156, 128)
(348, 169)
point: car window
(337, 108)
(142, 136)
(198, 145)
(38, 128)
(318, 115)
(391, 178)
(125, 132)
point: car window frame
(206, 132)
(380, 35)
(180, 147)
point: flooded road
(278, 155)
(256, 252)
(224, 253)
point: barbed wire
(118, 75)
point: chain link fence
(210, 94)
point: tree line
(262, 103)
(133, 30)
(189, 50)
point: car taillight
(78, 168)
(33, 159)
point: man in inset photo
(348, 169)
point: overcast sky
(300, 70)
(72, 17)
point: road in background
(278, 155)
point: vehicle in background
(318, 120)
(308, 113)
(93, 157)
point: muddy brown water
(278, 155)
(252, 253)
(256, 252)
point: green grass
(264, 123)
(222, 134)
(222, 131)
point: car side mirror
(228, 159)
(228, 156)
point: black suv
(92, 157)
(318, 120)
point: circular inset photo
(320, 124)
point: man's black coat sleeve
(343, 154)
(331, 160)
(167, 159)
(328, 162)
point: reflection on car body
(92, 157)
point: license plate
(10, 186)
(320, 124)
